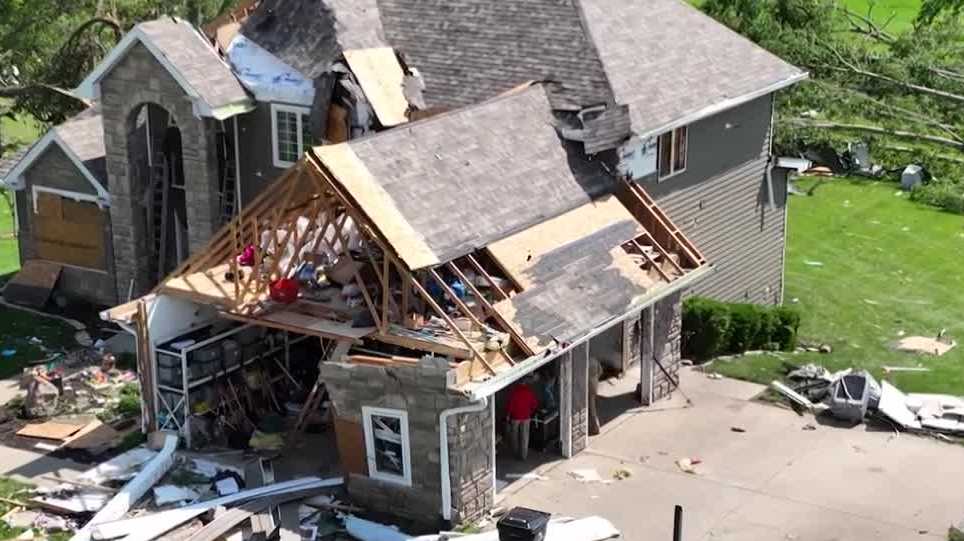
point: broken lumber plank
(133, 490)
(224, 523)
(148, 527)
(792, 395)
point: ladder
(227, 185)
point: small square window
(673, 147)
(291, 133)
(387, 445)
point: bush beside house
(712, 328)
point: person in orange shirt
(521, 406)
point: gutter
(533, 363)
(724, 105)
(446, 475)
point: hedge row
(712, 328)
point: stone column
(565, 404)
(646, 366)
(580, 399)
(631, 342)
(667, 330)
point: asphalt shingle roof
(84, 136)
(471, 50)
(196, 61)
(666, 59)
(467, 178)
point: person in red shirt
(521, 406)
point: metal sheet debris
(893, 404)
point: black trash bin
(521, 524)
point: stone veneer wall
(667, 330)
(422, 392)
(136, 80)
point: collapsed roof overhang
(532, 283)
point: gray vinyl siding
(721, 203)
(257, 159)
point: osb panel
(70, 232)
(350, 438)
(523, 250)
(381, 77)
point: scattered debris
(889, 369)
(527, 476)
(809, 427)
(737, 429)
(714, 375)
(794, 396)
(922, 344)
(852, 394)
(687, 464)
(810, 263)
(587, 476)
(166, 494)
(622, 473)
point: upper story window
(290, 133)
(672, 152)
(387, 445)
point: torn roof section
(189, 58)
(309, 35)
(82, 140)
(461, 180)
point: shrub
(785, 332)
(944, 194)
(745, 326)
(705, 327)
(712, 328)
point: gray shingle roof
(666, 59)
(10, 160)
(309, 35)
(84, 136)
(467, 178)
(578, 288)
(471, 50)
(197, 62)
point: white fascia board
(724, 105)
(67, 194)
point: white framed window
(387, 445)
(673, 146)
(290, 133)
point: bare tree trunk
(879, 130)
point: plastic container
(522, 524)
(231, 351)
(169, 370)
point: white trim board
(367, 413)
(299, 111)
(67, 194)
(89, 88)
(37, 150)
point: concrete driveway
(774, 482)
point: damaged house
(379, 216)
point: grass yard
(903, 11)
(20, 129)
(888, 265)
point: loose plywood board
(378, 205)
(522, 251)
(34, 283)
(51, 430)
(381, 78)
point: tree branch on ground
(854, 68)
(916, 115)
(865, 25)
(880, 130)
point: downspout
(444, 450)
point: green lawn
(889, 265)
(20, 129)
(903, 12)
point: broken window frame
(678, 152)
(302, 124)
(373, 433)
